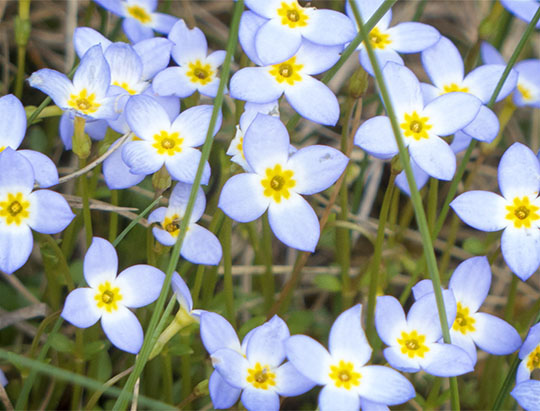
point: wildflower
(527, 394)
(470, 284)
(529, 354)
(528, 82)
(279, 180)
(413, 341)
(165, 143)
(12, 132)
(88, 95)
(196, 71)
(387, 42)
(522, 9)
(445, 68)
(109, 296)
(285, 24)
(348, 383)
(259, 374)
(140, 17)
(421, 124)
(516, 211)
(310, 97)
(200, 246)
(22, 210)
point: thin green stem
(113, 219)
(227, 270)
(146, 348)
(22, 27)
(269, 287)
(134, 222)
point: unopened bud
(358, 83)
(80, 141)
(161, 180)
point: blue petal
(266, 9)
(400, 361)
(519, 172)
(163, 23)
(377, 138)
(465, 342)
(527, 394)
(217, 332)
(412, 37)
(45, 170)
(266, 343)
(490, 55)
(524, 10)
(383, 57)
(389, 319)
(50, 212)
(521, 250)
(141, 157)
(484, 127)
(125, 64)
(56, 85)
(290, 382)
(384, 385)
(232, 366)
(223, 395)
(482, 210)
(434, 156)
(316, 58)
(183, 166)
(329, 28)
(201, 246)
(123, 329)
(180, 197)
(255, 399)
(181, 291)
(482, 81)
(309, 357)
(146, 117)
(447, 360)
(255, 84)
(420, 177)
(155, 54)
(451, 112)
(422, 288)
(249, 25)
(140, 285)
(443, 63)
(423, 315)
(470, 282)
(100, 263)
(135, 31)
(404, 89)
(193, 125)
(531, 341)
(332, 398)
(85, 37)
(93, 73)
(523, 373)
(16, 172)
(173, 81)
(275, 43)
(242, 198)
(494, 335)
(80, 308)
(16, 245)
(12, 122)
(189, 44)
(117, 174)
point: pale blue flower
(348, 384)
(413, 341)
(470, 284)
(284, 24)
(200, 246)
(517, 211)
(23, 210)
(278, 182)
(109, 296)
(529, 354)
(527, 394)
(421, 124)
(522, 9)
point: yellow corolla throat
(344, 375)
(278, 182)
(172, 225)
(292, 15)
(125, 86)
(83, 102)
(413, 344)
(168, 143)
(449, 88)
(14, 209)
(522, 212)
(526, 93)
(199, 72)
(139, 14)
(378, 39)
(107, 297)
(463, 323)
(288, 71)
(261, 376)
(533, 359)
(415, 126)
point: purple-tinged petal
(401, 361)
(45, 171)
(527, 394)
(470, 282)
(482, 81)
(422, 288)
(12, 122)
(420, 177)
(443, 63)
(140, 285)
(85, 37)
(275, 42)
(232, 366)
(117, 174)
(217, 332)
(389, 319)
(100, 263)
(216, 58)
(290, 382)
(50, 212)
(490, 55)
(93, 73)
(347, 338)
(329, 28)
(201, 246)
(123, 329)
(316, 168)
(383, 57)
(266, 343)
(113, 6)
(524, 9)
(135, 31)
(193, 125)
(223, 395)
(210, 89)
(423, 315)
(434, 156)
(189, 45)
(412, 37)
(163, 236)
(332, 398)
(404, 89)
(482, 210)
(163, 23)
(155, 54)
(173, 81)
(429, 92)
(447, 360)
(242, 198)
(484, 126)
(495, 335)
(519, 172)
(367, 8)
(266, 8)
(461, 141)
(179, 199)
(367, 405)
(521, 250)
(56, 85)
(523, 373)
(16, 172)
(181, 290)
(16, 244)
(183, 166)
(294, 222)
(255, 84)
(146, 117)
(465, 342)
(377, 138)
(80, 308)
(256, 399)
(396, 389)
(313, 100)
(531, 341)
(309, 357)
(249, 25)
(451, 112)
(141, 157)
(316, 58)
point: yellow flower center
(261, 377)
(107, 297)
(463, 323)
(533, 359)
(240, 147)
(449, 88)
(83, 102)
(200, 73)
(172, 225)
(278, 182)
(166, 143)
(522, 212)
(14, 209)
(415, 126)
(526, 93)
(292, 15)
(413, 344)
(125, 86)
(139, 13)
(287, 71)
(379, 40)
(344, 375)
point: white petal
(521, 250)
(249, 25)
(484, 127)
(12, 122)
(482, 81)
(50, 212)
(193, 125)
(447, 360)
(201, 246)
(519, 172)
(401, 361)
(482, 210)
(217, 332)
(189, 45)
(275, 43)
(347, 338)
(93, 73)
(232, 366)
(290, 382)
(385, 385)
(255, 84)
(123, 329)
(173, 81)
(223, 395)
(45, 170)
(443, 63)
(495, 335)
(329, 28)
(309, 357)
(266, 343)
(470, 282)
(377, 138)
(451, 112)
(146, 117)
(242, 198)
(85, 37)
(258, 399)
(389, 319)
(434, 156)
(527, 393)
(100, 263)
(412, 37)
(141, 157)
(16, 244)
(80, 308)
(404, 89)
(316, 58)
(139, 285)
(183, 166)
(332, 398)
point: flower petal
(404, 89)
(443, 63)
(266, 9)
(266, 343)
(255, 84)
(80, 308)
(400, 361)
(223, 395)
(93, 73)
(117, 174)
(495, 335)
(309, 357)
(242, 198)
(482, 81)
(389, 319)
(201, 246)
(135, 31)
(16, 243)
(162, 22)
(179, 200)
(490, 55)
(275, 43)
(232, 366)
(447, 360)
(377, 138)
(155, 54)
(193, 125)
(313, 100)
(385, 385)
(470, 282)
(256, 399)
(484, 127)
(45, 171)
(146, 117)
(465, 342)
(56, 85)
(412, 37)
(329, 28)
(140, 285)
(316, 58)
(527, 394)
(451, 112)
(100, 263)
(383, 57)
(141, 157)
(85, 37)
(332, 398)
(434, 156)
(423, 315)
(217, 332)
(482, 210)
(290, 382)
(347, 338)
(123, 329)
(294, 223)
(181, 290)
(249, 25)
(50, 212)
(183, 166)
(12, 122)
(16, 172)
(521, 250)
(420, 177)
(519, 172)
(189, 45)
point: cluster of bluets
(134, 90)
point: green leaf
(61, 343)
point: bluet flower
(284, 24)
(527, 394)
(522, 9)
(529, 354)
(516, 211)
(279, 180)
(421, 124)
(470, 284)
(348, 384)
(109, 296)
(23, 210)
(413, 340)
(200, 246)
